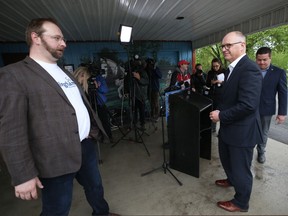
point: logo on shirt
(67, 84)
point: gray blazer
(38, 125)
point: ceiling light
(125, 33)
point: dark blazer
(38, 125)
(274, 82)
(239, 114)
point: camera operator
(95, 87)
(140, 83)
(199, 82)
(154, 74)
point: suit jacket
(38, 124)
(274, 82)
(239, 105)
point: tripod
(95, 99)
(138, 135)
(105, 108)
(165, 165)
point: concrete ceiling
(205, 21)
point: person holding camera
(199, 81)
(95, 88)
(154, 75)
(139, 91)
(103, 112)
(199, 67)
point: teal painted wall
(167, 54)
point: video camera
(94, 71)
(136, 63)
(198, 72)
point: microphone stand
(165, 164)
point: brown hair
(218, 61)
(36, 25)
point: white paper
(220, 77)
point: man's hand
(28, 190)
(214, 116)
(136, 75)
(280, 119)
(97, 84)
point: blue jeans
(57, 191)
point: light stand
(165, 165)
(125, 38)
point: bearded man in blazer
(46, 125)
(274, 83)
(240, 127)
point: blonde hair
(82, 74)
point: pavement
(130, 193)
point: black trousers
(105, 119)
(139, 107)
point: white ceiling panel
(98, 20)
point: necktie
(230, 68)
(227, 74)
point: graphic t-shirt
(72, 92)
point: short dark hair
(197, 65)
(264, 50)
(150, 61)
(36, 25)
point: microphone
(186, 84)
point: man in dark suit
(46, 126)
(240, 126)
(274, 82)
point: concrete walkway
(128, 193)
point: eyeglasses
(229, 45)
(57, 38)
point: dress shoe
(261, 158)
(229, 206)
(223, 183)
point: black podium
(189, 131)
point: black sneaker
(261, 158)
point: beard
(56, 53)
